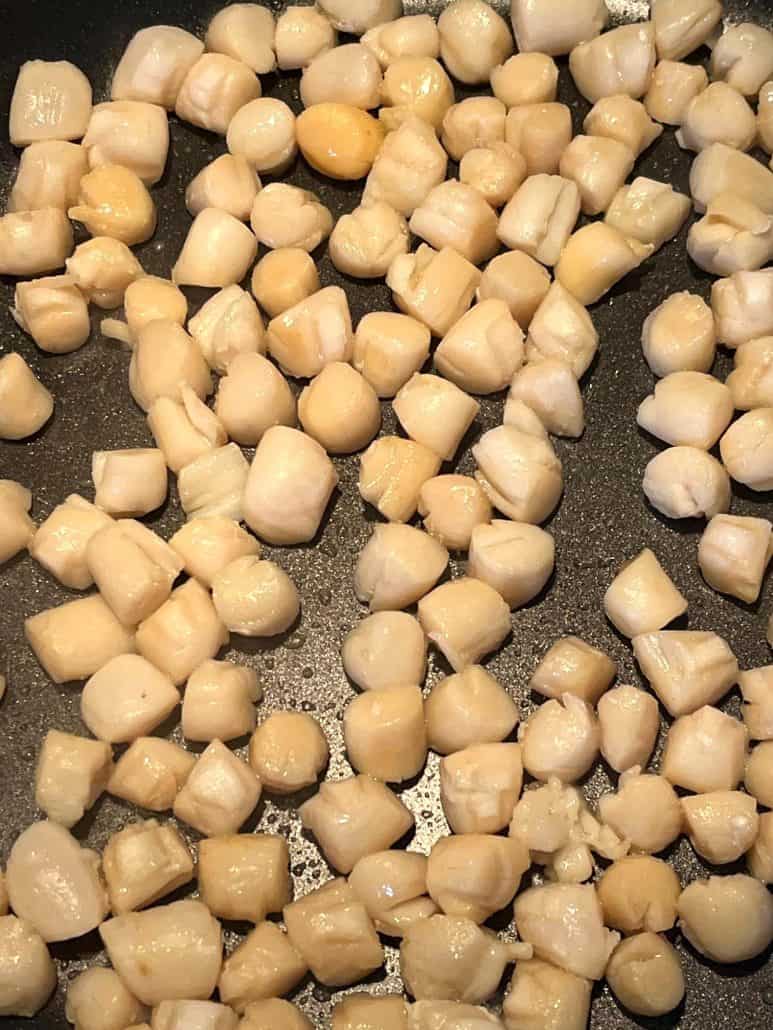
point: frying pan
(603, 518)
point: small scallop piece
(424, 1015)
(27, 971)
(540, 217)
(312, 333)
(288, 751)
(253, 396)
(246, 33)
(483, 350)
(550, 389)
(18, 530)
(339, 140)
(689, 409)
(540, 992)
(55, 884)
(452, 958)
(54, 312)
(129, 483)
(228, 183)
(722, 825)
(386, 649)
(435, 413)
(642, 597)
(364, 242)
(672, 86)
(722, 169)
(686, 668)
(384, 733)
(465, 619)
(214, 484)
(629, 721)
(214, 89)
(409, 164)
(220, 793)
(751, 381)
(397, 567)
(551, 28)
(619, 61)
(75, 639)
(645, 810)
(495, 171)
(765, 117)
(113, 201)
(288, 487)
(479, 787)
(368, 14)
(154, 65)
(757, 710)
(263, 964)
(143, 863)
(360, 1009)
(217, 251)
(455, 215)
(184, 430)
(301, 34)
(226, 325)
(48, 175)
(415, 87)
(468, 708)
(184, 942)
(263, 132)
(561, 739)
(434, 287)
(572, 666)
(645, 975)
(283, 278)
(354, 817)
(164, 361)
(520, 474)
(623, 119)
(758, 776)
(525, 78)
(275, 1013)
(464, 20)
(51, 100)
(562, 328)
(70, 775)
(255, 598)
(219, 702)
(32, 242)
(705, 751)
(103, 269)
(596, 257)
(334, 933)
(182, 633)
(207, 545)
(347, 74)
(474, 875)
(747, 449)
(743, 57)
(473, 122)
(686, 483)
(679, 335)
(649, 211)
(340, 409)
(717, 115)
(244, 876)
(388, 349)
(177, 1015)
(564, 924)
(150, 773)
(97, 999)
(733, 554)
(727, 918)
(413, 35)
(759, 858)
(452, 506)
(392, 473)
(129, 133)
(639, 893)
(515, 558)
(599, 165)
(126, 699)
(681, 26)
(540, 133)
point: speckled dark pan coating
(603, 518)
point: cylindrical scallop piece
(623, 119)
(154, 65)
(595, 258)
(717, 115)
(384, 733)
(184, 430)
(388, 349)
(525, 78)
(219, 702)
(301, 34)
(474, 122)
(463, 21)
(599, 165)
(572, 666)
(645, 810)
(347, 74)
(164, 360)
(385, 649)
(645, 975)
(228, 183)
(27, 971)
(733, 555)
(757, 710)
(561, 738)
(686, 483)
(629, 722)
(468, 708)
(392, 886)
(129, 483)
(252, 397)
(750, 381)
(649, 211)
(642, 597)
(540, 133)
(213, 90)
(538, 990)
(103, 269)
(129, 133)
(479, 787)
(483, 350)
(465, 619)
(727, 918)
(25, 404)
(434, 287)
(365, 242)
(520, 474)
(51, 100)
(288, 487)
(410, 162)
(639, 893)
(618, 61)
(686, 668)
(722, 825)
(455, 215)
(48, 175)
(217, 251)
(551, 28)
(255, 598)
(495, 171)
(550, 389)
(113, 201)
(687, 409)
(283, 278)
(743, 57)
(263, 132)
(681, 26)
(415, 87)
(220, 793)
(722, 169)
(473, 875)
(409, 36)
(392, 472)
(339, 140)
(540, 217)
(758, 775)
(227, 325)
(245, 32)
(747, 449)
(339, 409)
(562, 328)
(18, 529)
(672, 86)
(288, 751)
(435, 413)
(705, 751)
(32, 242)
(679, 335)
(398, 566)
(308, 336)
(515, 558)
(54, 312)
(452, 507)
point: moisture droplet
(307, 673)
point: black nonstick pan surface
(602, 520)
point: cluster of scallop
(523, 181)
